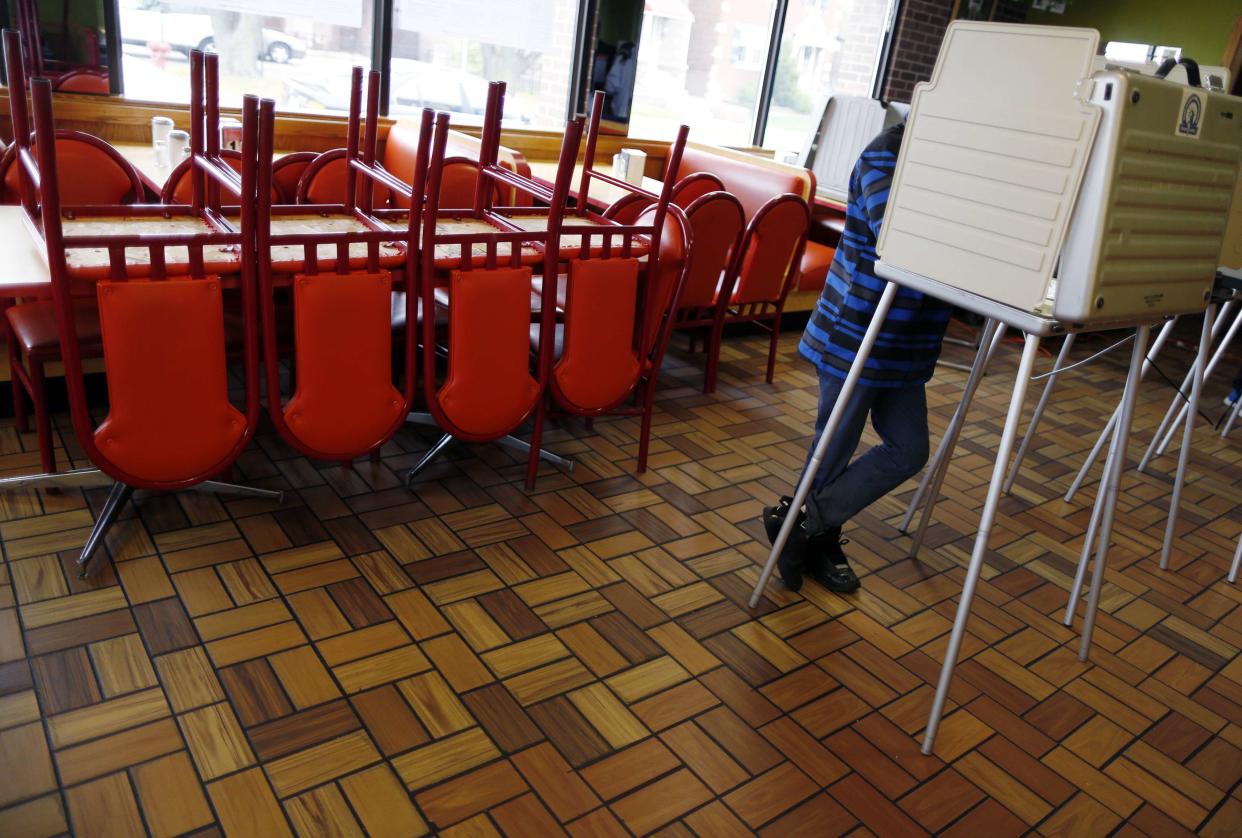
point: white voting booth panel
(994, 152)
(847, 125)
(1231, 247)
(1147, 232)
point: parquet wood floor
(473, 660)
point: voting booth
(1055, 198)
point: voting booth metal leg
(988, 339)
(1160, 440)
(1106, 434)
(1237, 563)
(1199, 371)
(1010, 433)
(1038, 414)
(830, 428)
(1110, 487)
(1084, 557)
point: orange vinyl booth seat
(754, 180)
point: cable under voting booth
(1052, 200)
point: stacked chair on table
(158, 273)
(92, 173)
(618, 297)
(478, 263)
(339, 259)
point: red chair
(94, 173)
(179, 190)
(287, 171)
(490, 386)
(458, 183)
(627, 208)
(694, 186)
(761, 275)
(84, 81)
(343, 403)
(716, 222)
(617, 313)
(170, 423)
(323, 182)
(608, 352)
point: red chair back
(286, 172)
(716, 222)
(323, 182)
(626, 209)
(766, 263)
(91, 172)
(178, 189)
(343, 403)
(84, 81)
(692, 187)
(490, 387)
(458, 183)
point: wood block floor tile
(469, 658)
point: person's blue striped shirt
(908, 345)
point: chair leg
(536, 440)
(644, 433)
(43, 417)
(693, 337)
(713, 357)
(776, 334)
(431, 454)
(112, 507)
(15, 382)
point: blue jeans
(842, 489)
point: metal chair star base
(508, 441)
(119, 494)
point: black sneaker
(793, 557)
(827, 564)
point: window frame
(383, 23)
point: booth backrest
(751, 179)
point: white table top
(23, 269)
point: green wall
(1200, 27)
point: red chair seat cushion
(169, 416)
(34, 326)
(816, 261)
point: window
(1139, 53)
(297, 52)
(700, 62)
(826, 48)
(445, 53)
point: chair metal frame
(766, 314)
(44, 216)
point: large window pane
(701, 62)
(297, 52)
(827, 47)
(446, 51)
